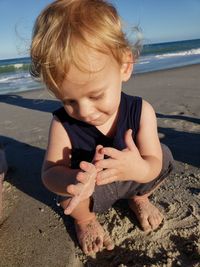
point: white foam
(143, 62)
(14, 78)
(17, 66)
(180, 54)
(4, 79)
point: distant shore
(15, 77)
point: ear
(127, 66)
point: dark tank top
(84, 137)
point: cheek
(111, 104)
(69, 110)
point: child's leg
(90, 233)
(147, 214)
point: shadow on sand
(39, 104)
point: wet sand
(34, 232)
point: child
(103, 144)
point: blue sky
(160, 21)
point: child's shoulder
(148, 114)
(138, 102)
(147, 107)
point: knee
(168, 160)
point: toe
(84, 248)
(145, 224)
(89, 248)
(153, 221)
(95, 248)
(108, 243)
(99, 243)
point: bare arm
(148, 142)
(56, 172)
(57, 175)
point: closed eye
(69, 102)
(97, 97)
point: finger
(128, 138)
(74, 189)
(98, 154)
(87, 167)
(72, 205)
(106, 174)
(82, 177)
(111, 152)
(106, 164)
(107, 180)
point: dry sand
(34, 231)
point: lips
(93, 119)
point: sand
(34, 231)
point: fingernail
(83, 164)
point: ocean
(15, 77)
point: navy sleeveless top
(84, 137)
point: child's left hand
(121, 165)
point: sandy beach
(34, 231)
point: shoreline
(168, 69)
(35, 232)
(133, 74)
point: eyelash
(96, 97)
(72, 102)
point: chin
(95, 123)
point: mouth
(93, 120)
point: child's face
(94, 97)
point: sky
(159, 20)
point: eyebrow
(96, 92)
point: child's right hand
(86, 182)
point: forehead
(93, 65)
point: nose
(85, 110)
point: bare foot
(91, 236)
(147, 214)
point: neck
(109, 128)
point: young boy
(103, 144)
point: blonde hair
(63, 26)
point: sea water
(15, 76)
